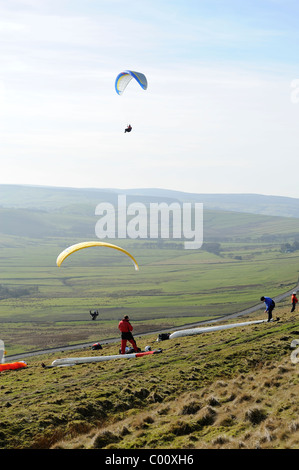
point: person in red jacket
(126, 328)
(294, 301)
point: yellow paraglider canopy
(79, 246)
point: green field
(48, 306)
(44, 306)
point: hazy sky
(220, 115)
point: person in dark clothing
(294, 301)
(128, 128)
(94, 314)
(126, 328)
(270, 305)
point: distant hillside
(76, 222)
(55, 198)
(37, 224)
(250, 203)
(41, 212)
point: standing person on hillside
(126, 328)
(294, 301)
(270, 305)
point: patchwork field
(244, 256)
(45, 306)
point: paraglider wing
(207, 329)
(71, 361)
(124, 78)
(79, 246)
(13, 365)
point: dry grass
(234, 389)
(257, 408)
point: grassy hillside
(228, 389)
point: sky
(220, 114)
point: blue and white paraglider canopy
(124, 78)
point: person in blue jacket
(270, 305)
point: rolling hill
(39, 212)
(56, 198)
